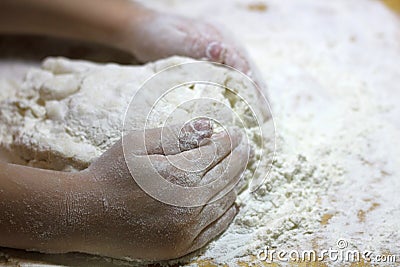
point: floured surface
(333, 80)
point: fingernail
(202, 125)
(215, 51)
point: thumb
(170, 140)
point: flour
(70, 112)
(333, 78)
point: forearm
(34, 208)
(100, 21)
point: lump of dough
(59, 87)
(69, 112)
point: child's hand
(127, 222)
(163, 35)
(155, 35)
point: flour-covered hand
(130, 223)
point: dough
(68, 112)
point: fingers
(205, 157)
(212, 211)
(213, 161)
(188, 168)
(172, 173)
(215, 43)
(229, 54)
(175, 139)
(192, 133)
(228, 172)
(169, 140)
(214, 229)
(215, 51)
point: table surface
(11, 257)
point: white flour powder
(333, 73)
(333, 77)
(69, 112)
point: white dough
(68, 113)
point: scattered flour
(333, 76)
(68, 113)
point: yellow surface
(393, 4)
